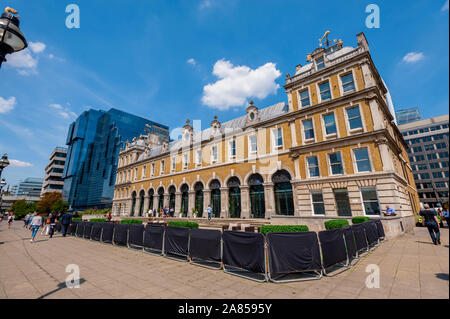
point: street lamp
(2, 184)
(3, 163)
(11, 38)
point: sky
(169, 61)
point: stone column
(146, 202)
(245, 202)
(295, 198)
(138, 205)
(224, 205)
(269, 200)
(155, 202)
(166, 200)
(191, 204)
(129, 207)
(177, 204)
(206, 201)
(388, 164)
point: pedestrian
(31, 219)
(25, 220)
(52, 224)
(36, 223)
(209, 211)
(171, 212)
(109, 216)
(46, 225)
(446, 216)
(10, 219)
(430, 220)
(66, 220)
(390, 211)
(150, 213)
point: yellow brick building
(332, 151)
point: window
(174, 164)
(313, 166)
(347, 82)
(342, 202)
(144, 169)
(278, 138)
(444, 164)
(424, 176)
(320, 63)
(429, 147)
(440, 146)
(434, 165)
(163, 167)
(420, 158)
(362, 160)
(330, 124)
(232, 149)
(370, 201)
(214, 154)
(432, 156)
(325, 92)
(152, 172)
(443, 155)
(199, 157)
(253, 142)
(417, 149)
(437, 175)
(304, 98)
(185, 160)
(336, 163)
(317, 203)
(135, 173)
(308, 129)
(354, 118)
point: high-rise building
(332, 151)
(53, 182)
(94, 141)
(30, 187)
(428, 154)
(408, 115)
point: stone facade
(333, 151)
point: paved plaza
(410, 267)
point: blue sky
(162, 60)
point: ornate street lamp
(3, 163)
(11, 38)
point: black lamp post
(3, 163)
(11, 38)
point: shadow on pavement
(59, 287)
(424, 242)
(442, 276)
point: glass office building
(30, 187)
(408, 116)
(94, 141)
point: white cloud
(237, 84)
(191, 61)
(63, 111)
(36, 47)
(56, 106)
(7, 105)
(22, 59)
(17, 163)
(445, 6)
(205, 4)
(413, 57)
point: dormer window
(320, 63)
(252, 116)
(252, 113)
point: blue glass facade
(94, 141)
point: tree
(45, 205)
(22, 207)
(60, 206)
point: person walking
(36, 223)
(46, 225)
(430, 220)
(209, 211)
(446, 216)
(25, 220)
(66, 220)
(31, 219)
(10, 219)
(52, 224)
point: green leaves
(190, 225)
(283, 228)
(360, 219)
(336, 223)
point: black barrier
(349, 241)
(176, 241)
(80, 229)
(294, 252)
(360, 237)
(136, 235)
(73, 228)
(380, 229)
(153, 237)
(333, 248)
(204, 244)
(96, 231)
(107, 232)
(87, 230)
(244, 251)
(371, 232)
(120, 234)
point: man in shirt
(209, 211)
(446, 216)
(390, 211)
(66, 220)
(430, 220)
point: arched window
(284, 202)
(184, 189)
(198, 187)
(172, 191)
(133, 203)
(234, 197)
(160, 198)
(257, 201)
(214, 186)
(151, 193)
(141, 203)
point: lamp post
(3, 163)
(2, 184)
(11, 38)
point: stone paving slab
(410, 267)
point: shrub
(21, 208)
(336, 223)
(77, 219)
(190, 225)
(282, 228)
(131, 221)
(360, 219)
(94, 212)
(98, 220)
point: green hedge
(336, 223)
(360, 219)
(282, 228)
(77, 219)
(190, 225)
(131, 221)
(98, 220)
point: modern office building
(94, 141)
(332, 151)
(408, 115)
(30, 187)
(53, 182)
(428, 155)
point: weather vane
(9, 10)
(325, 36)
